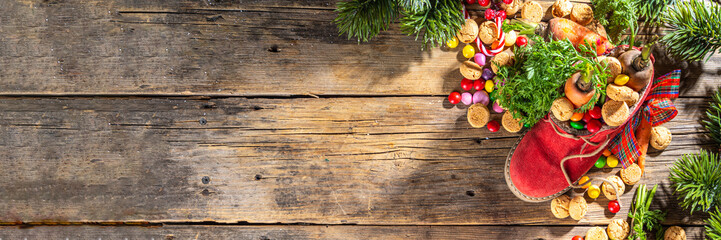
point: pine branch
(364, 19)
(713, 123)
(695, 29)
(437, 24)
(713, 229)
(697, 181)
(650, 10)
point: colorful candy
(467, 98)
(480, 97)
(489, 85)
(521, 41)
(612, 161)
(584, 182)
(614, 206)
(484, 2)
(593, 125)
(466, 84)
(577, 125)
(454, 97)
(593, 191)
(487, 74)
(468, 51)
(480, 59)
(621, 79)
(586, 117)
(497, 108)
(595, 112)
(490, 14)
(452, 43)
(577, 238)
(478, 84)
(600, 162)
(493, 126)
(577, 117)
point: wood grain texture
(308, 232)
(398, 160)
(223, 48)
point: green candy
(526, 125)
(577, 125)
(601, 162)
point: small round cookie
(608, 190)
(618, 229)
(501, 59)
(559, 206)
(619, 93)
(468, 32)
(561, 8)
(487, 32)
(577, 208)
(532, 11)
(660, 137)
(582, 14)
(512, 8)
(562, 109)
(631, 175)
(674, 233)
(615, 113)
(596, 233)
(511, 124)
(471, 70)
(613, 66)
(633, 100)
(478, 115)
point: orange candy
(606, 153)
(577, 117)
(495, 44)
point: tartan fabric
(657, 109)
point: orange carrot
(561, 28)
(643, 136)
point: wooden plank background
(200, 112)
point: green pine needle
(713, 229)
(364, 19)
(697, 181)
(695, 29)
(713, 123)
(650, 10)
(441, 22)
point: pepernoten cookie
(468, 32)
(487, 32)
(596, 233)
(613, 65)
(559, 206)
(660, 137)
(478, 115)
(608, 190)
(615, 113)
(621, 93)
(471, 70)
(562, 109)
(502, 59)
(631, 175)
(577, 208)
(618, 229)
(511, 124)
(674, 233)
(532, 11)
(561, 8)
(582, 14)
(512, 8)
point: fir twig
(695, 29)
(364, 19)
(697, 181)
(650, 10)
(441, 21)
(713, 123)
(713, 229)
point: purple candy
(480, 59)
(487, 74)
(497, 108)
(480, 97)
(467, 98)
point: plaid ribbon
(657, 109)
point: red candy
(614, 206)
(521, 41)
(507, 1)
(478, 85)
(595, 112)
(586, 117)
(484, 2)
(493, 126)
(470, 1)
(466, 84)
(593, 125)
(577, 238)
(501, 14)
(490, 14)
(454, 98)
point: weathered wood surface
(227, 48)
(396, 160)
(306, 232)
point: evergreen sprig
(437, 21)
(650, 10)
(713, 229)
(697, 181)
(713, 123)
(695, 29)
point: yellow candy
(489, 85)
(452, 43)
(468, 51)
(612, 161)
(593, 191)
(621, 79)
(584, 181)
